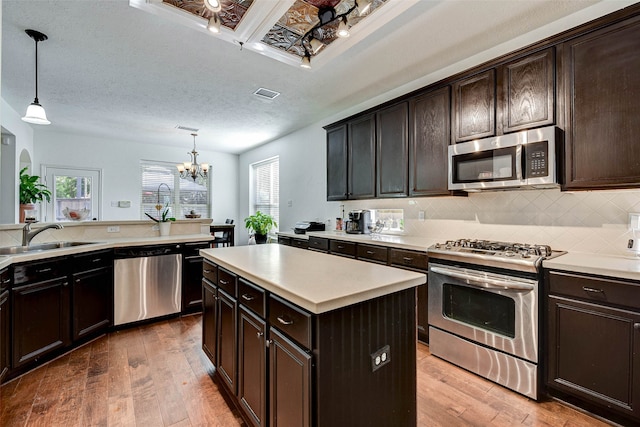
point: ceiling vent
(187, 128)
(266, 93)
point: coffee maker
(359, 221)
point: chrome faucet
(28, 235)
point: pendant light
(35, 113)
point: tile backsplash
(589, 221)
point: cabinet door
(429, 118)
(362, 158)
(252, 366)
(290, 382)
(209, 320)
(4, 334)
(337, 163)
(40, 319)
(392, 151)
(226, 339)
(474, 107)
(601, 87)
(92, 298)
(528, 92)
(594, 353)
(191, 284)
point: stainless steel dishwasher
(147, 282)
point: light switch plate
(124, 204)
(634, 221)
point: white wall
(120, 164)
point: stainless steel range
(484, 309)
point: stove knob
(525, 254)
(437, 246)
(509, 253)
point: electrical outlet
(421, 215)
(380, 358)
(634, 221)
(113, 229)
(289, 203)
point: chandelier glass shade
(193, 169)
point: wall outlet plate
(124, 204)
(113, 229)
(634, 221)
(380, 358)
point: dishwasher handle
(146, 251)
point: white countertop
(103, 244)
(315, 281)
(600, 264)
(414, 243)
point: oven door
(494, 310)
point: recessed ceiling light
(266, 93)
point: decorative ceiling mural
(281, 29)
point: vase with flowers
(164, 219)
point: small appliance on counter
(359, 221)
(303, 226)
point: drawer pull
(408, 260)
(592, 290)
(65, 283)
(4, 282)
(96, 260)
(370, 252)
(248, 297)
(44, 270)
(340, 247)
(636, 326)
(207, 271)
(223, 282)
(78, 280)
(284, 320)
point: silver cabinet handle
(285, 321)
(340, 247)
(96, 260)
(484, 280)
(207, 271)
(224, 282)
(370, 252)
(44, 270)
(592, 290)
(248, 297)
(636, 326)
(260, 334)
(408, 260)
(4, 282)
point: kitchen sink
(12, 250)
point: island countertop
(315, 281)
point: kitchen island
(309, 339)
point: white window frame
(253, 205)
(48, 172)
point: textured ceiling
(112, 70)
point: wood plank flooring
(157, 375)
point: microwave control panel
(537, 159)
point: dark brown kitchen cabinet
(594, 341)
(527, 96)
(337, 162)
(289, 382)
(191, 276)
(5, 322)
(416, 261)
(361, 178)
(92, 293)
(227, 349)
(392, 151)
(342, 248)
(252, 366)
(429, 124)
(40, 301)
(318, 244)
(474, 107)
(209, 318)
(601, 84)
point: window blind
(182, 195)
(266, 188)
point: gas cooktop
(513, 256)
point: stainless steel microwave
(525, 159)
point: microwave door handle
(520, 161)
(483, 282)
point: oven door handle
(484, 282)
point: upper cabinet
(474, 100)
(601, 89)
(528, 92)
(361, 180)
(392, 150)
(429, 124)
(337, 163)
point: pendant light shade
(213, 24)
(213, 5)
(35, 112)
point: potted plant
(31, 192)
(261, 224)
(164, 222)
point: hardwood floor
(157, 375)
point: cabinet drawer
(5, 279)
(318, 243)
(227, 281)
(598, 290)
(373, 253)
(210, 272)
(291, 320)
(92, 260)
(252, 296)
(283, 240)
(193, 248)
(339, 247)
(300, 243)
(39, 270)
(410, 259)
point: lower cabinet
(191, 276)
(416, 261)
(252, 366)
(209, 319)
(227, 349)
(5, 343)
(594, 342)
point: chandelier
(193, 169)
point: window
(265, 188)
(159, 183)
(72, 189)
